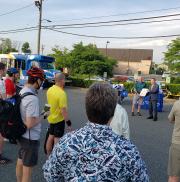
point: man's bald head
(59, 77)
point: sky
(78, 11)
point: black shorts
(28, 152)
(57, 129)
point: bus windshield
(46, 65)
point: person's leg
(50, 144)
(1, 143)
(139, 105)
(150, 110)
(174, 179)
(58, 131)
(155, 110)
(27, 173)
(19, 170)
(134, 101)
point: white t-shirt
(2, 88)
(120, 122)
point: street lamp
(106, 47)
(49, 21)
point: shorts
(28, 152)
(174, 160)
(57, 129)
(136, 99)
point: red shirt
(10, 87)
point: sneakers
(138, 114)
(150, 117)
(155, 119)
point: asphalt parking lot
(151, 138)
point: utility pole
(39, 6)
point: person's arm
(63, 105)
(32, 113)
(171, 116)
(33, 121)
(125, 123)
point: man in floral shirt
(95, 153)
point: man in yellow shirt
(57, 99)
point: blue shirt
(95, 153)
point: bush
(174, 88)
(78, 82)
(175, 80)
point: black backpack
(11, 125)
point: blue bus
(23, 62)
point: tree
(26, 48)
(61, 56)
(88, 60)
(172, 56)
(6, 46)
(83, 60)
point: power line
(18, 9)
(19, 30)
(115, 21)
(118, 24)
(110, 37)
(121, 14)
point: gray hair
(101, 100)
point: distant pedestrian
(137, 99)
(3, 160)
(95, 153)
(57, 100)
(174, 151)
(10, 82)
(153, 98)
(120, 122)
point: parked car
(166, 74)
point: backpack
(12, 126)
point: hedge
(78, 82)
(174, 88)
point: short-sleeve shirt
(30, 108)
(95, 153)
(10, 87)
(57, 100)
(2, 88)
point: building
(130, 61)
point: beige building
(130, 61)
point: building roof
(131, 55)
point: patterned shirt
(95, 153)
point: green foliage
(175, 80)
(83, 60)
(129, 86)
(6, 46)
(26, 48)
(174, 88)
(172, 56)
(61, 56)
(79, 82)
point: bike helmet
(12, 71)
(35, 72)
